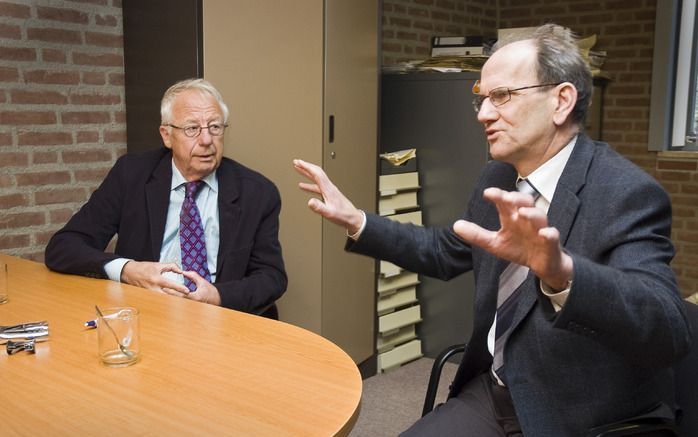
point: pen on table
(91, 324)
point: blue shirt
(170, 251)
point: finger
(172, 292)
(318, 175)
(174, 286)
(200, 282)
(300, 167)
(499, 196)
(508, 202)
(312, 188)
(196, 279)
(535, 217)
(550, 234)
(496, 196)
(491, 193)
(311, 171)
(170, 267)
(473, 234)
(300, 164)
(317, 206)
(191, 274)
(518, 199)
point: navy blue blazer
(132, 202)
(606, 355)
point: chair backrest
(687, 379)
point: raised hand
(334, 206)
(524, 237)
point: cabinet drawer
(390, 184)
(398, 202)
(414, 217)
(391, 322)
(388, 342)
(388, 269)
(400, 298)
(401, 354)
(404, 279)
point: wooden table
(204, 369)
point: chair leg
(435, 376)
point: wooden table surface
(204, 370)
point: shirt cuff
(361, 228)
(114, 267)
(558, 298)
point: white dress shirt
(545, 179)
(170, 251)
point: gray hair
(560, 60)
(200, 85)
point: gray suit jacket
(605, 355)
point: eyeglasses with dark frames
(501, 95)
(193, 131)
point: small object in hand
(17, 346)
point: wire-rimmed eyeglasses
(501, 95)
(193, 131)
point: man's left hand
(524, 238)
(205, 291)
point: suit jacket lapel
(157, 194)
(228, 209)
(563, 209)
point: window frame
(674, 71)
(692, 108)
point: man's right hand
(148, 275)
(334, 206)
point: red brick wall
(408, 25)
(625, 30)
(680, 178)
(62, 116)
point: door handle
(331, 129)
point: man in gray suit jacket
(596, 319)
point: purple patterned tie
(191, 236)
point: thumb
(193, 277)
(317, 206)
(472, 233)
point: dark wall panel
(163, 44)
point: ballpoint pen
(93, 323)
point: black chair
(270, 312)
(686, 372)
(436, 368)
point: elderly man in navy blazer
(577, 313)
(190, 223)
